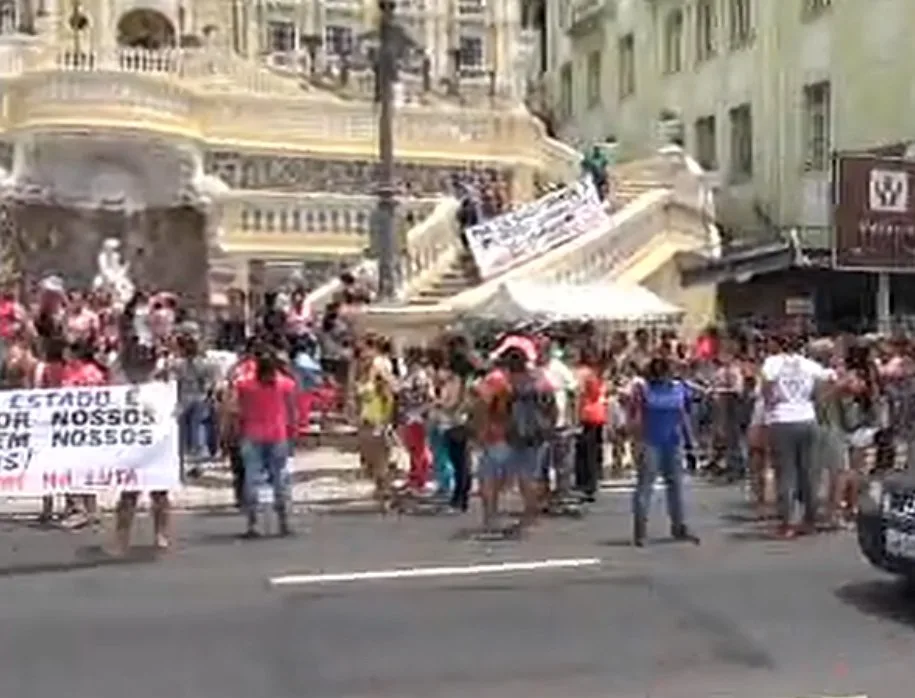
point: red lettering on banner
(12, 483)
(127, 477)
(57, 481)
(120, 477)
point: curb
(220, 478)
(298, 505)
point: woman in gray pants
(790, 385)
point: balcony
(333, 222)
(584, 16)
(81, 97)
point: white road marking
(626, 485)
(426, 572)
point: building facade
(761, 92)
(248, 130)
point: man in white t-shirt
(790, 384)
(561, 452)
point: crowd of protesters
(800, 419)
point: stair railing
(431, 245)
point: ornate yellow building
(233, 131)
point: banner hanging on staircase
(536, 227)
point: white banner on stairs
(536, 227)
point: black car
(886, 523)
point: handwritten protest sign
(88, 440)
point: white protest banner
(536, 227)
(89, 440)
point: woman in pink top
(265, 401)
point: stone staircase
(459, 276)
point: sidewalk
(319, 476)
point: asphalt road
(738, 616)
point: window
(8, 18)
(741, 143)
(627, 65)
(741, 24)
(811, 9)
(707, 143)
(594, 78)
(338, 40)
(471, 7)
(816, 127)
(471, 51)
(280, 37)
(565, 91)
(706, 30)
(673, 42)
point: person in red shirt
(266, 406)
(49, 373)
(491, 411)
(81, 371)
(12, 315)
(592, 416)
(244, 369)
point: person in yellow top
(375, 399)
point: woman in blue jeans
(660, 421)
(266, 419)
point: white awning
(617, 304)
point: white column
(884, 304)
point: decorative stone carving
(352, 177)
(148, 199)
(111, 174)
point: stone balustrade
(207, 69)
(561, 162)
(67, 96)
(430, 246)
(255, 213)
(680, 182)
(231, 90)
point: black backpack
(531, 414)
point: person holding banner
(81, 370)
(49, 373)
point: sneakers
(682, 534)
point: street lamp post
(386, 74)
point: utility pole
(386, 75)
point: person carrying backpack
(531, 421)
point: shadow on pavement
(507, 533)
(220, 479)
(887, 599)
(627, 542)
(86, 558)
